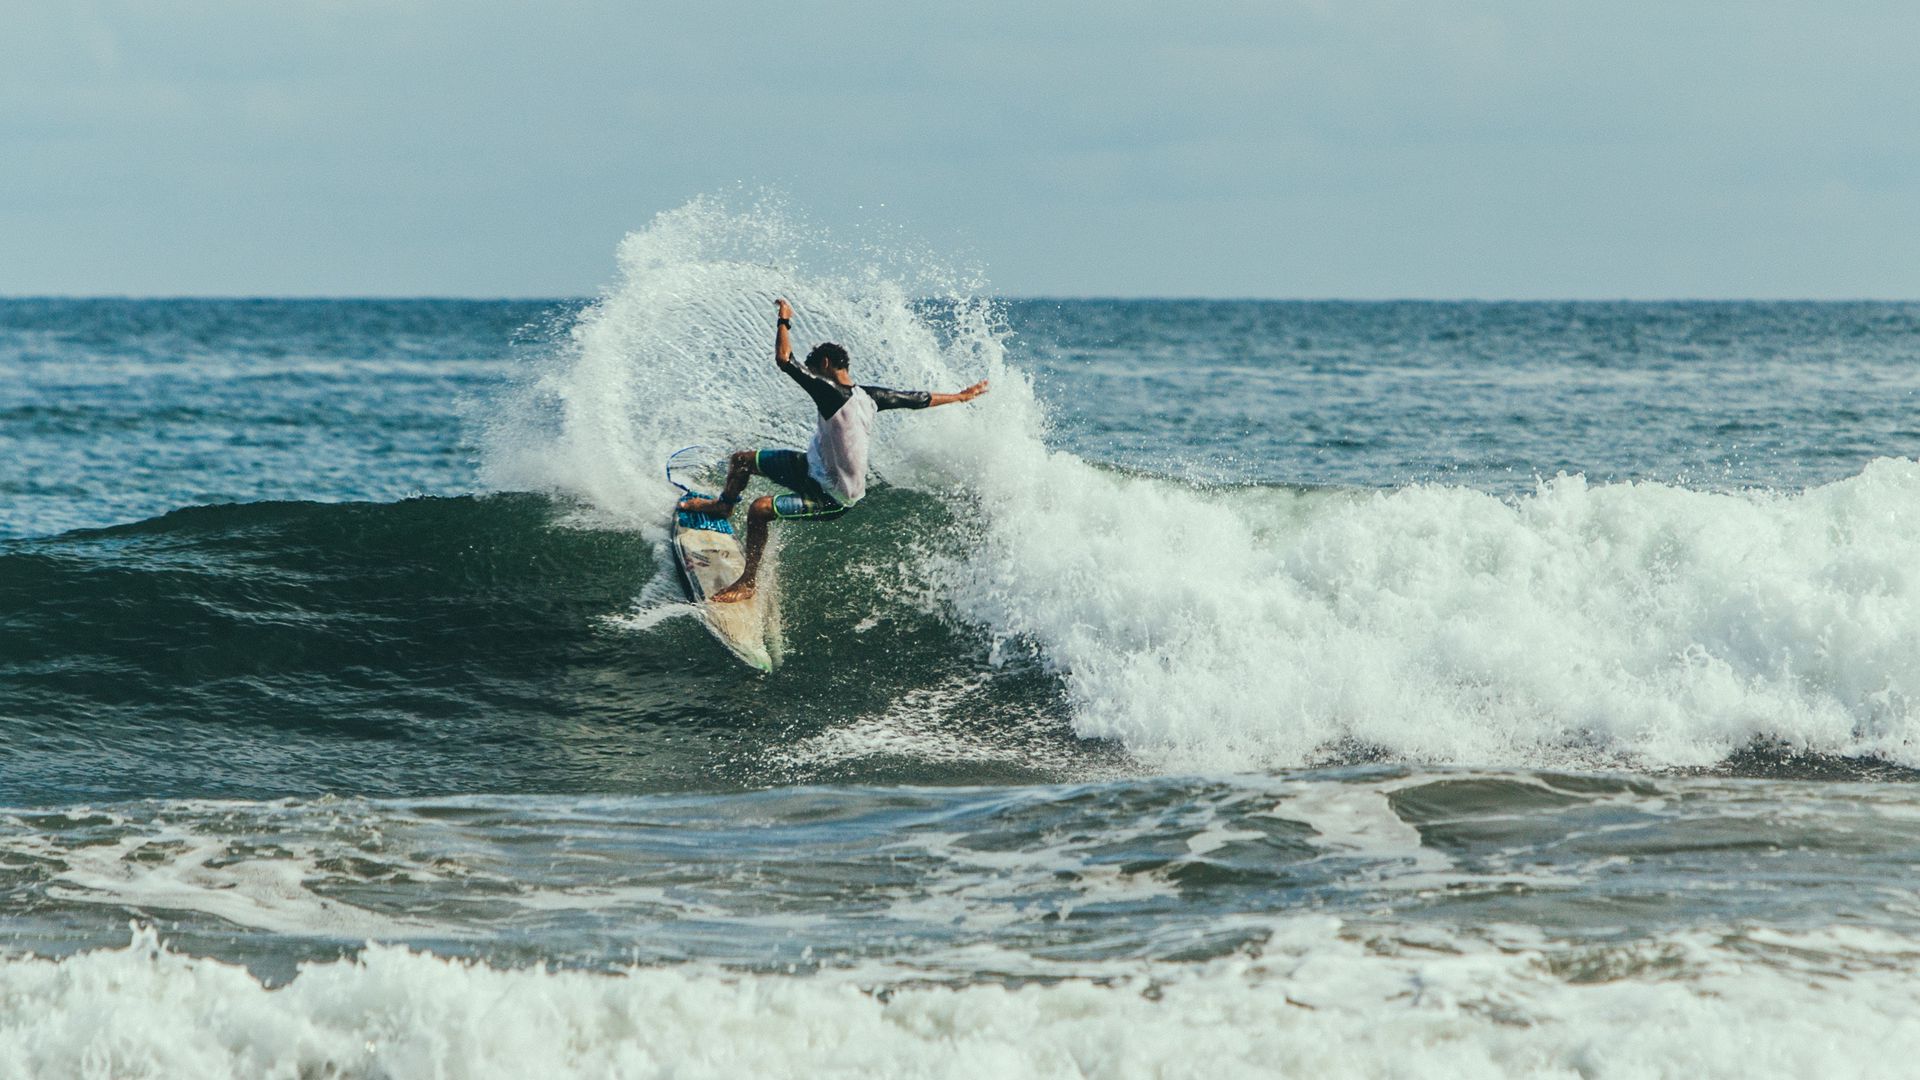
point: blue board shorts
(809, 500)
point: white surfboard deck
(711, 561)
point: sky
(1359, 149)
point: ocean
(1239, 688)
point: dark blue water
(1714, 395)
(116, 411)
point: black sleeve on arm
(827, 396)
(884, 399)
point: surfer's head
(827, 358)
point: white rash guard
(837, 456)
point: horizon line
(1017, 297)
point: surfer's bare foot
(709, 507)
(733, 594)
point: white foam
(1352, 819)
(1629, 621)
(1216, 836)
(985, 888)
(1637, 624)
(646, 618)
(155, 868)
(920, 726)
(1319, 1002)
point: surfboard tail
(710, 559)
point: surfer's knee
(762, 509)
(743, 460)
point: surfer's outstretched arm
(968, 394)
(885, 398)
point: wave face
(474, 644)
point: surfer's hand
(785, 309)
(958, 396)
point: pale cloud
(1361, 149)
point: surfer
(826, 480)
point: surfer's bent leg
(740, 466)
(811, 503)
(758, 515)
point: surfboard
(710, 559)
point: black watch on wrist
(788, 323)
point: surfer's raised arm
(782, 329)
(827, 382)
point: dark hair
(829, 356)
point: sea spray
(679, 352)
